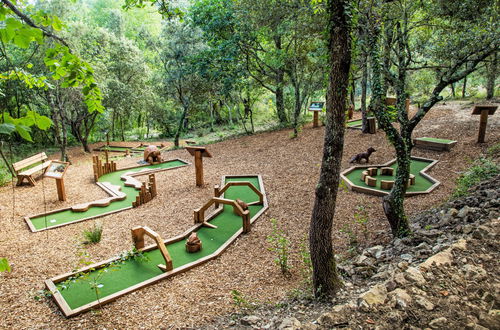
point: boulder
(376, 295)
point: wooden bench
(27, 174)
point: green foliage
(280, 245)
(93, 235)
(361, 218)
(239, 299)
(482, 169)
(22, 125)
(4, 265)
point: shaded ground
(290, 171)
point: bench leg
(31, 181)
(20, 179)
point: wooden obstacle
(372, 125)
(484, 111)
(372, 171)
(199, 153)
(101, 168)
(434, 144)
(147, 193)
(386, 171)
(138, 238)
(23, 173)
(371, 181)
(386, 184)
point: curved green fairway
(131, 272)
(421, 182)
(67, 216)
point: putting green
(68, 216)
(132, 272)
(435, 140)
(354, 123)
(422, 183)
(113, 148)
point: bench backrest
(38, 158)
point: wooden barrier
(147, 193)
(138, 238)
(101, 168)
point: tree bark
(280, 80)
(364, 85)
(326, 281)
(491, 77)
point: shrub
(482, 169)
(280, 244)
(93, 235)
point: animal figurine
(152, 155)
(363, 155)
(193, 243)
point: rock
(460, 245)
(375, 295)
(474, 272)
(474, 326)
(467, 229)
(309, 326)
(442, 258)
(438, 323)
(407, 257)
(394, 317)
(365, 261)
(390, 285)
(453, 212)
(491, 321)
(250, 320)
(331, 319)
(399, 278)
(424, 303)
(412, 274)
(290, 323)
(400, 298)
(374, 251)
(464, 212)
(481, 232)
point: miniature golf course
(139, 148)
(66, 216)
(424, 183)
(76, 296)
(429, 139)
(354, 123)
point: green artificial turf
(421, 183)
(131, 272)
(111, 148)
(68, 216)
(435, 140)
(354, 123)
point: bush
(280, 245)
(482, 169)
(93, 235)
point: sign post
(316, 107)
(199, 153)
(57, 170)
(484, 111)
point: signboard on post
(198, 153)
(484, 111)
(316, 107)
(57, 170)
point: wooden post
(484, 111)
(61, 191)
(107, 156)
(315, 119)
(216, 194)
(483, 121)
(198, 153)
(107, 139)
(198, 164)
(372, 125)
(246, 222)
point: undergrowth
(93, 235)
(482, 169)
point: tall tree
(326, 281)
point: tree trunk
(364, 85)
(453, 90)
(464, 86)
(326, 281)
(393, 203)
(296, 113)
(181, 124)
(280, 80)
(491, 75)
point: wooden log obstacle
(138, 238)
(147, 193)
(101, 168)
(484, 111)
(368, 177)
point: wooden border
(69, 312)
(27, 219)
(354, 187)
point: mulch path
(290, 169)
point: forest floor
(290, 169)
